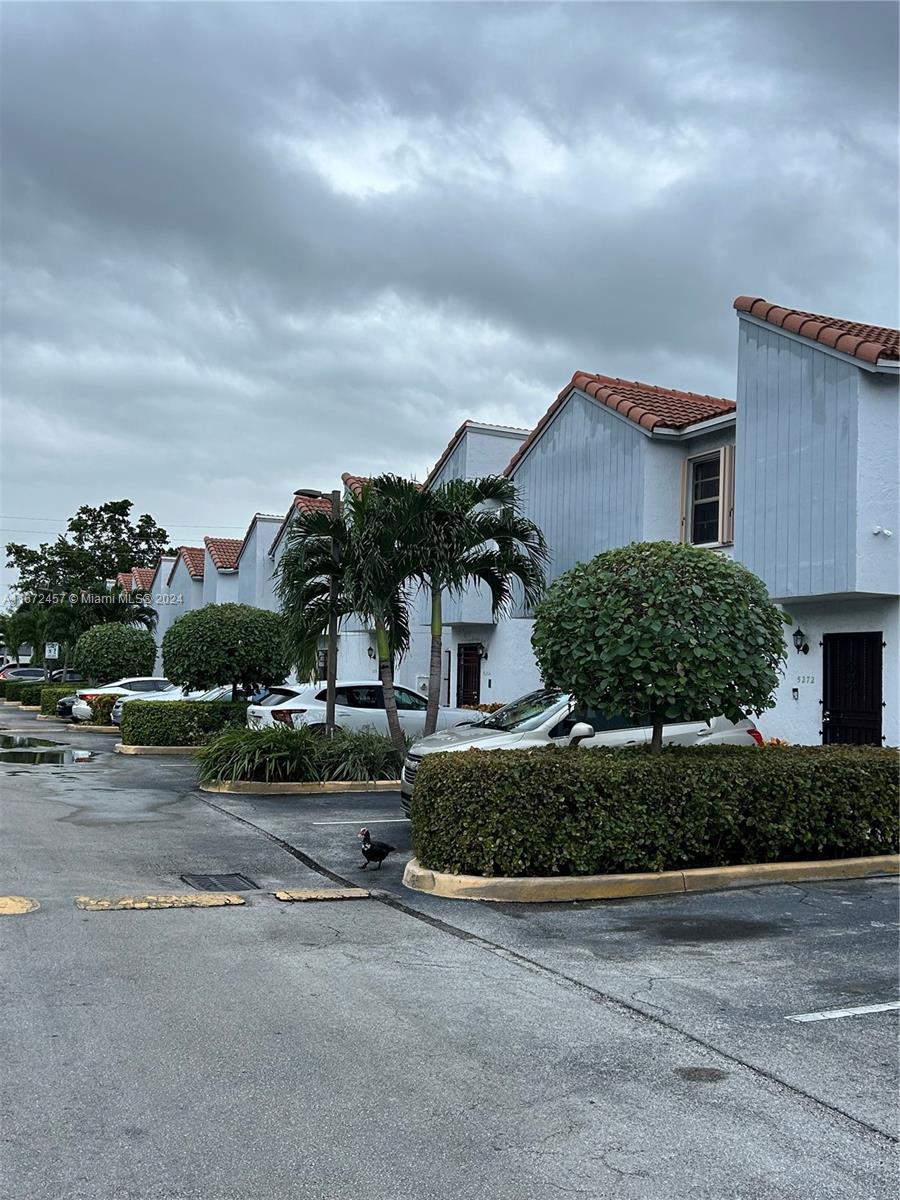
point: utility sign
(51, 650)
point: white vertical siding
(795, 468)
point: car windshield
(528, 712)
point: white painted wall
(799, 720)
(165, 612)
(509, 670)
(878, 484)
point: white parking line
(832, 1014)
(393, 821)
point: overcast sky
(248, 247)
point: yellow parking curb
(96, 728)
(546, 889)
(15, 906)
(121, 748)
(241, 788)
(293, 895)
(177, 900)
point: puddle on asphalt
(38, 751)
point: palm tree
(462, 532)
(357, 553)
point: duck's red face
(364, 834)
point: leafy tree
(111, 651)
(222, 644)
(463, 532)
(100, 541)
(357, 553)
(663, 630)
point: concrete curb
(241, 788)
(47, 717)
(546, 889)
(96, 728)
(121, 748)
(30, 707)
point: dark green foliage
(30, 693)
(50, 696)
(222, 644)
(114, 651)
(571, 811)
(280, 755)
(13, 690)
(662, 629)
(101, 707)
(178, 722)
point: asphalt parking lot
(408, 1045)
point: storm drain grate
(221, 883)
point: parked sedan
(135, 686)
(22, 674)
(64, 706)
(359, 704)
(551, 718)
(169, 694)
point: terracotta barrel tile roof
(193, 559)
(868, 342)
(143, 578)
(124, 580)
(224, 552)
(301, 504)
(354, 483)
(648, 406)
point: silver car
(552, 718)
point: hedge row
(13, 688)
(281, 755)
(178, 722)
(49, 696)
(571, 811)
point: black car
(64, 706)
(68, 676)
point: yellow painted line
(14, 906)
(292, 895)
(175, 900)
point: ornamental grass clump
(280, 755)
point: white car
(359, 704)
(135, 687)
(552, 718)
(171, 693)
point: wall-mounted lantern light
(800, 643)
(371, 652)
(482, 651)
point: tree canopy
(109, 652)
(222, 644)
(661, 631)
(99, 542)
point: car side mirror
(580, 731)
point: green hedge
(49, 696)
(178, 722)
(281, 755)
(101, 707)
(30, 692)
(571, 811)
(13, 690)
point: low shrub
(30, 692)
(179, 722)
(14, 689)
(279, 755)
(101, 707)
(571, 811)
(112, 651)
(52, 694)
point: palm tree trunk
(434, 669)
(386, 674)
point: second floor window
(708, 499)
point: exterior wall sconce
(482, 651)
(800, 643)
(371, 652)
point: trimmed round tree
(109, 652)
(220, 644)
(661, 632)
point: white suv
(551, 718)
(134, 688)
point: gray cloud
(247, 247)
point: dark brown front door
(851, 689)
(468, 674)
